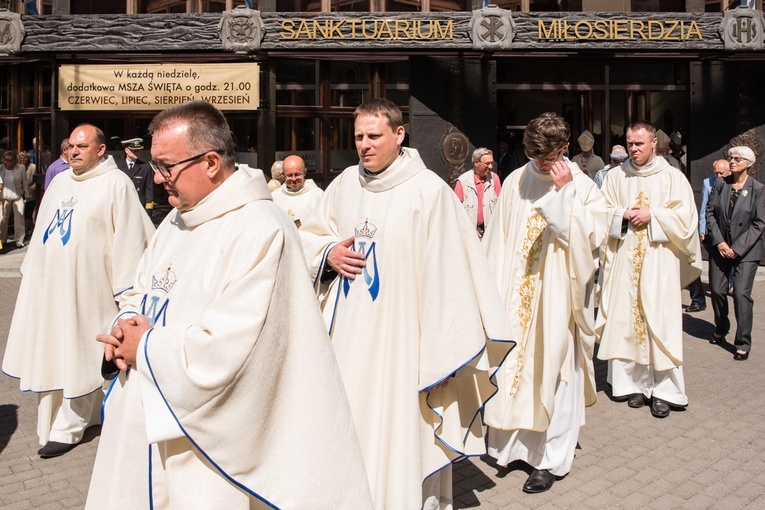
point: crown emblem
(163, 280)
(68, 204)
(367, 229)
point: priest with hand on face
(542, 247)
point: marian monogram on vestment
(153, 305)
(61, 224)
(363, 234)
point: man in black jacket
(139, 172)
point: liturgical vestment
(91, 231)
(298, 204)
(237, 370)
(542, 247)
(645, 269)
(420, 314)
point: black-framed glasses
(164, 169)
(736, 159)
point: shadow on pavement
(466, 491)
(9, 422)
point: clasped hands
(726, 251)
(121, 344)
(638, 216)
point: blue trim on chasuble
(323, 263)
(106, 396)
(190, 439)
(62, 222)
(151, 475)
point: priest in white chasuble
(413, 314)
(542, 247)
(224, 397)
(653, 252)
(91, 232)
(297, 196)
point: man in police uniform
(139, 172)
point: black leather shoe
(741, 357)
(539, 481)
(716, 339)
(659, 408)
(54, 449)
(636, 400)
(695, 308)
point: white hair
(744, 152)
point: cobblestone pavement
(709, 456)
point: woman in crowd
(277, 175)
(30, 207)
(735, 222)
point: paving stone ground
(710, 456)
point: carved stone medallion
(491, 29)
(743, 29)
(455, 149)
(11, 33)
(241, 30)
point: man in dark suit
(721, 170)
(735, 223)
(139, 172)
(509, 157)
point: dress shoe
(539, 481)
(659, 408)
(636, 400)
(741, 356)
(696, 308)
(54, 449)
(716, 339)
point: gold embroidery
(638, 315)
(532, 247)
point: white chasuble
(91, 231)
(237, 370)
(542, 248)
(420, 312)
(645, 269)
(298, 204)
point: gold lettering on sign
(618, 30)
(367, 29)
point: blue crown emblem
(163, 280)
(68, 204)
(367, 229)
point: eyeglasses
(550, 161)
(737, 159)
(164, 169)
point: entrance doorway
(603, 98)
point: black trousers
(696, 288)
(721, 272)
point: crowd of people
(402, 326)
